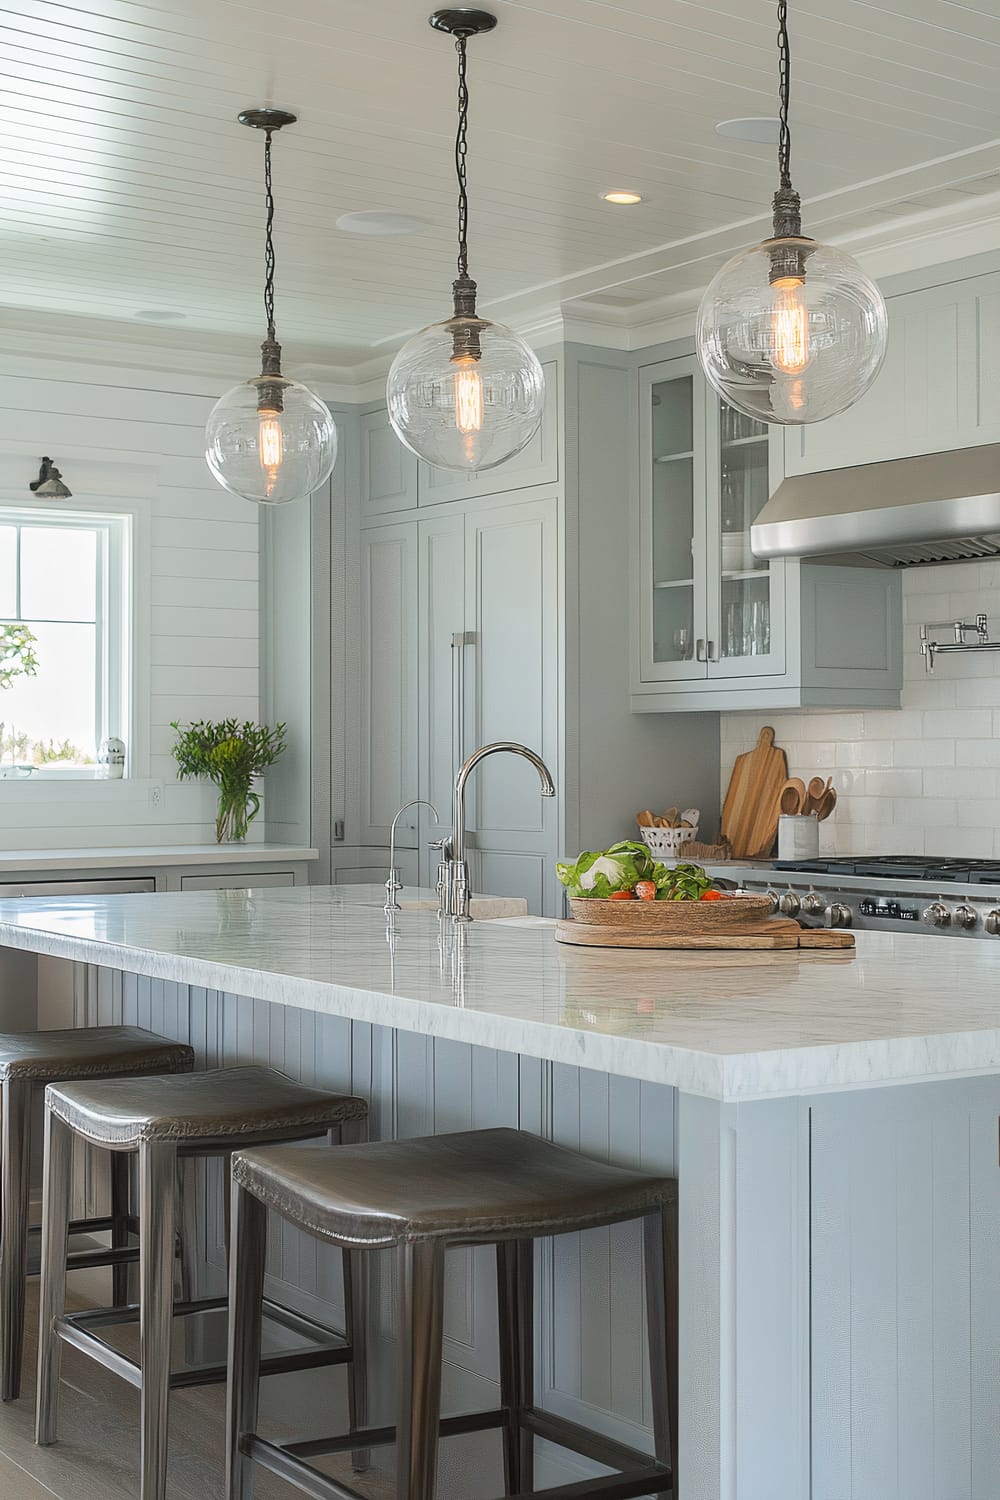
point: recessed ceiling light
(377, 221)
(160, 315)
(622, 195)
(760, 128)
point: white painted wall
(132, 437)
(924, 778)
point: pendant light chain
(461, 154)
(463, 287)
(787, 205)
(784, 81)
(268, 239)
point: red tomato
(646, 890)
(620, 896)
(710, 896)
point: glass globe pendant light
(465, 394)
(791, 331)
(270, 439)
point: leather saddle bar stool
(29, 1059)
(158, 1120)
(424, 1196)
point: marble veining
(730, 1025)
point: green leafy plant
(232, 755)
(17, 654)
(621, 867)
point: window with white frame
(64, 639)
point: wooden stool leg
(120, 1207)
(421, 1311)
(15, 1147)
(56, 1190)
(246, 1298)
(515, 1303)
(660, 1234)
(157, 1216)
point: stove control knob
(965, 916)
(840, 915)
(992, 921)
(789, 904)
(937, 914)
(774, 899)
(813, 904)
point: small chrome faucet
(456, 890)
(393, 884)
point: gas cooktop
(900, 867)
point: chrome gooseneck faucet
(394, 885)
(454, 888)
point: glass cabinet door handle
(713, 654)
(699, 650)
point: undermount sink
(483, 908)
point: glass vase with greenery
(232, 755)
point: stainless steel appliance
(957, 898)
(938, 507)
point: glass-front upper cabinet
(746, 605)
(709, 608)
(672, 532)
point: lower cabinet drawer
(236, 882)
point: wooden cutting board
(750, 811)
(775, 932)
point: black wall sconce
(49, 485)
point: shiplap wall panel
(131, 435)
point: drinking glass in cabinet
(672, 536)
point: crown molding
(569, 309)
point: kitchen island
(832, 1119)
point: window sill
(55, 773)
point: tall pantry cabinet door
(446, 660)
(512, 586)
(388, 770)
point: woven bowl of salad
(624, 886)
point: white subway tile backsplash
(984, 812)
(865, 753)
(922, 752)
(960, 782)
(958, 723)
(926, 812)
(894, 783)
(970, 843)
(924, 778)
(979, 692)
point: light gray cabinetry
(388, 470)
(537, 463)
(939, 387)
(459, 631)
(388, 698)
(715, 626)
(905, 1270)
(512, 593)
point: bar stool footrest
(641, 1475)
(78, 1329)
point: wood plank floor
(97, 1455)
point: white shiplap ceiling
(126, 185)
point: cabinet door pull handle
(699, 650)
(713, 655)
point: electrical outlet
(156, 794)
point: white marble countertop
(15, 862)
(730, 1026)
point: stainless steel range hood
(941, 507)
